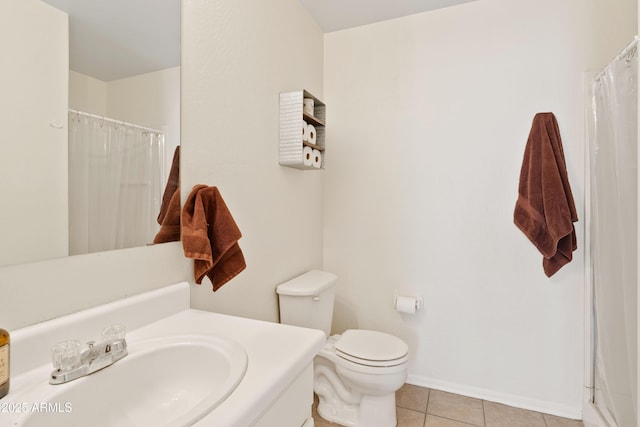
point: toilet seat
(371, 348)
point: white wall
(237, 57)
(33, 93)
(427, 118)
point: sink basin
(172, 381)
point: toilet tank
(307, 300)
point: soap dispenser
(4, 363)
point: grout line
(484, 416)
(450, 419)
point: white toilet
(357, 373)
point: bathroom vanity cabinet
(274, 388)
(291, 408)
(292, 119)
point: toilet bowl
(357, 373)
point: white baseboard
(546, 407)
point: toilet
(357, 373)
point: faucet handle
(66, 355)
(114, 332)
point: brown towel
(170, 226)
(173, 183)
(545, 211)
(210, 236)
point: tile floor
(422, 407)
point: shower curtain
(116, 177)
(614, 189)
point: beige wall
(87, 94)
(35, 292)
(428, 118)
(33, 90)
(237, 57)
(151, 100)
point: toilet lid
(371, 348)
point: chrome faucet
(71, 364)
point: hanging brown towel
(545, 211)
(210, 236)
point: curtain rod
(627, 53)
(119, 122)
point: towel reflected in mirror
(169, 216)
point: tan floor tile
(433, 421)
(317, 419)
(498, 415)
(409, 418)
(323, 423)
(553, 421)
(451, 410)
(456, 407)
(314, 407)
(412, 397)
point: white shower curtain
(116, 178)
(614, 187)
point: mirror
(123, 69)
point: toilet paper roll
(311, 134)
(317, 158)
(307, 106)
(406, 304)
(304, 130)
(307, 156)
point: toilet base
(331, 407)
(378, 411)
(369, 411)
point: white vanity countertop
(276, 353)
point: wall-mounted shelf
(292, 137)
